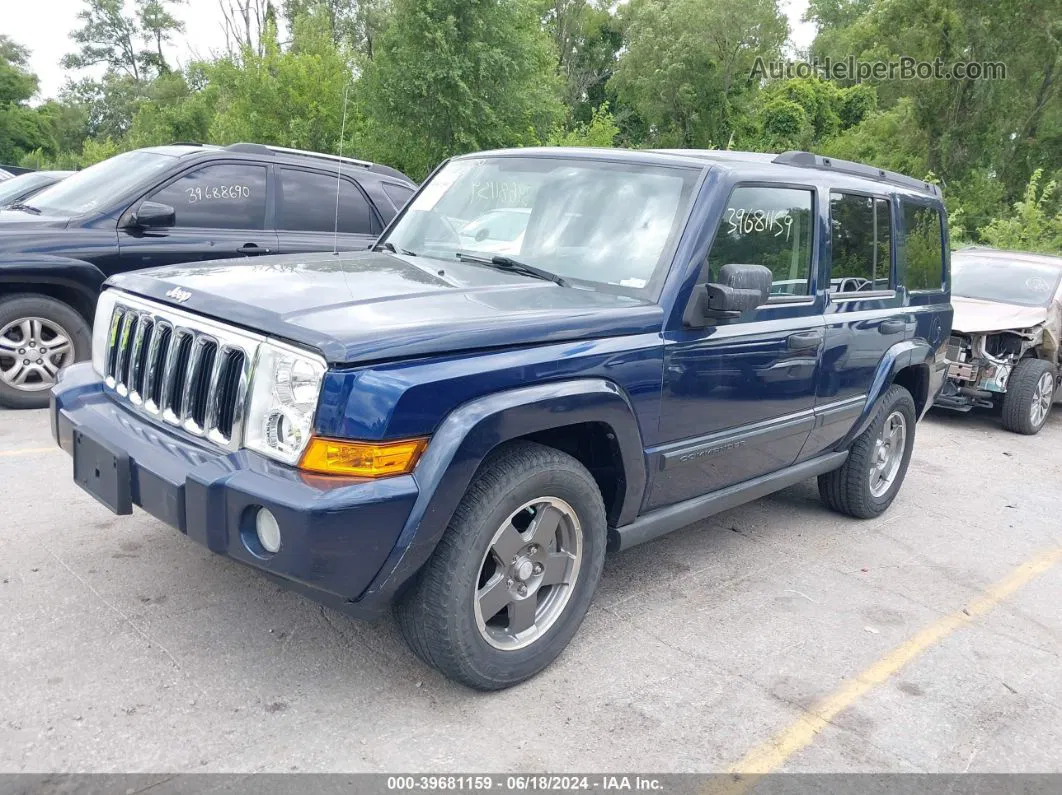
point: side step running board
(666, 520)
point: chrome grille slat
(179, 368)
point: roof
(984, 252)
(796, 166)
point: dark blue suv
(550, 353)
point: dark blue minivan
(547, 355)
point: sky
(44, 27)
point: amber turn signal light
(362, 459)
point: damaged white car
(1004, 349)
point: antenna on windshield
(339, 169)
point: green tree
(687, 69)
(21, 127)
(289, 97)
(1034, 223)
(453, 76)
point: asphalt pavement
(776, 636)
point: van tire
(848, 490)
(55, 315)
(440, 615)
(1023, 389)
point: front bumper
(336, 533)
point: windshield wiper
(513, 266)
(387, 245)
(26, 208)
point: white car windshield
(84, 191)
(993, 279)
(598, 222)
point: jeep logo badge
(179, 295)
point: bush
(1035, 223)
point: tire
(33, 314)
(439, 616)
(1024, 410)
(850, 490)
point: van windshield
(86, 190)
(595, 222)
(992, 279)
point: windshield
(992, 279)
(601, 223)
(84, 191)
(17, 187)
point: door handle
(804, 341)
(892, 326)
(251, 249)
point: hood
(365, 306)
(973, 315)
(20, 221)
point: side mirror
(152, 215)
(740, 289)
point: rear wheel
(1030, 393)
(38, 336)
(877, 461)
(513, 576)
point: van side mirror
(153, 215)
(740, 289)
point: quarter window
(307, 203)
(398, 194)
(226, 196)
(770, 227)
(922, 247)
(861, 243)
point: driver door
(220, 213)
(739, 395)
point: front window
(992, 279)
(84, 191)
(597, 223)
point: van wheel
(38, 336)
(513, 576)
(1030, 393)
(877, 460)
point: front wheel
(877, 461)
(38, 337)
(513, 576)
(1030, 393)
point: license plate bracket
(103, 472)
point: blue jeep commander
(548, 352)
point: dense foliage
(424, 79)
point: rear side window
(225, 196)
(771, 227)
(307, 203)
(922, 247)
(398, 194)
(861, 243)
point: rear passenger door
(739, 394)
(306, 215)
(863, 317)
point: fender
(467, 436)
(901, 355)
(68, 272)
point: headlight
(284, 391)
(101, 330)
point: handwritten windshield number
(745, 222)
(202, 193)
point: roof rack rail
(262, 149)
(809, 160)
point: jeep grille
(179, 368)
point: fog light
(268, 530)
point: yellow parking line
(773, 754)
(27, 451)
